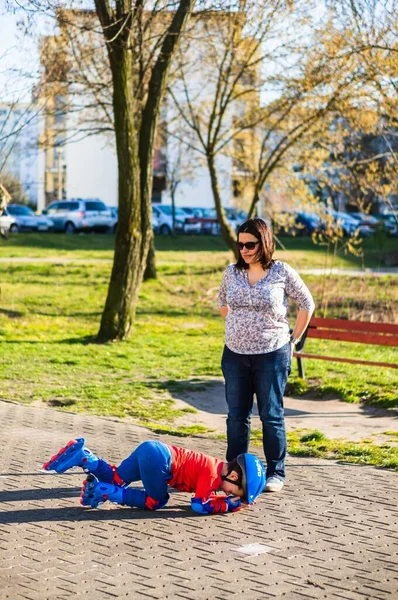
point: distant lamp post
(59, 159)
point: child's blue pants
(150, 463)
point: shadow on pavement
(37, 515)
(290, 412)
(202, 394)
(38, 494)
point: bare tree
(273, 82)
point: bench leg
(300, 367)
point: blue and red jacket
(201, 474)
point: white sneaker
(274, 484)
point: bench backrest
(381, 334)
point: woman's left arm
(303, 318)
(298, 291)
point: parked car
(164, 216)
(115, 217)
(25, 219)
(349, 225)
(73, 215)
(192, 221)
(235, 217)
(192, 211)
(298, 223)
(8, 223)
(366, 220)
(207, 220)
(309, 222)
(389, 223)
(303, 223)
(155, 223)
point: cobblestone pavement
(331, 533)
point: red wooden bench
(380, 334)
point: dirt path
(334, 418)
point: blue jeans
(264, 375)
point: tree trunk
(253, 205)
(226, 230)
(173, 210)
(131, 245)
(150, 270)
(135, 128)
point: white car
(7, 223)
(165, 221)
(235, 217)
(366, 220)
(27, 220)
(193, 223)
(79, 215)
(115, 218)
(348, 224)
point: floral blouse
(257, 322)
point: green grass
(192, 430)
(37, 245)
(301, 252)
(50, 313)
(362, 453)
(352, 383)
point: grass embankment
(314, 443)
(50, 314)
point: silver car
(7, 223)
(163, 212)
(71, 216)
(115, 218)
(25, 219)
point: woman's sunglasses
(247, 245)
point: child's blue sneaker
(73, 455)
(94, 492)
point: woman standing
(258, 345)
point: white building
(91, 169)
(90, 165)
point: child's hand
(243, 503)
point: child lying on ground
(158, 466)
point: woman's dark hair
(266, 247)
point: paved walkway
(334, 418)
(332, 533)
